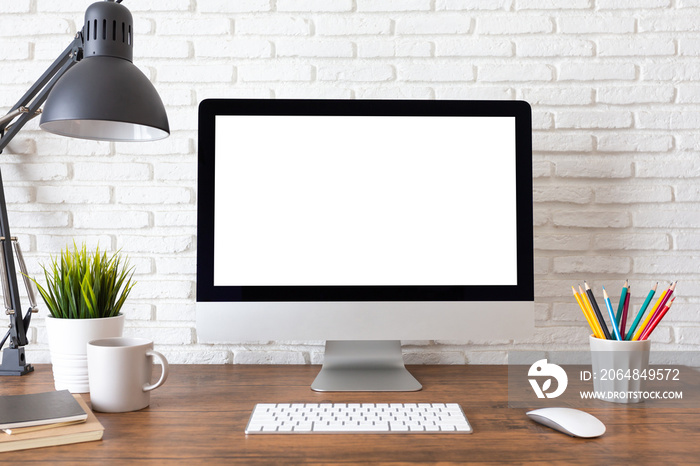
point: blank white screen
(336, 200)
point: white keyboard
(342, 418)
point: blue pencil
(608, 304)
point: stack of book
(46, 419)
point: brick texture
(615, 91)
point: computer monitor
(364, 223)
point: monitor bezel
(211, 108)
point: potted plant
(85, 291)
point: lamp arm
(27, 106)
(13, 361)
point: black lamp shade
(104, 96)
(107, 99)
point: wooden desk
(199, 415)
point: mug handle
(164, 374)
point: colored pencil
(596, 309)
(643, 325)
(611, 314)
(583, 309)
(587, 304)
(585, 312)
(621, 304)
(657, 319)
(660, 307)
(636, 320)
(625, 311)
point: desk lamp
(92, 91)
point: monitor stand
(364, 366)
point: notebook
(61, 434)
(38, 409)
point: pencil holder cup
(619, 369)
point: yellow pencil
(585, 312)
(588, 312)
(641, 328)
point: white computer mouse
(569, 421)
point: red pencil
(660, 308)
(654, 322)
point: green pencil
(621, 304)
(643, 309)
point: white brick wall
(615, 90)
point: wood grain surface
(199, 417)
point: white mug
(119, 371)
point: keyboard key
(303, 427)
(398, 427)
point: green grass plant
(82, 284)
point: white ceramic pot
(68, 340)
(616, 368)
